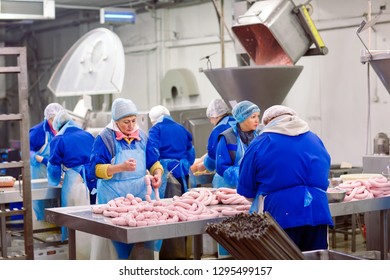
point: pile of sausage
(377, 186)
(133, 211)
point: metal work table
(39, 191)
(81, 218)
(381, 204)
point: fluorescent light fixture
(117, 15)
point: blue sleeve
(223, 159)
(54, 170)
(231, 175)
(190, 150)
(99, 155)
(37, 137)
(53, 174)
(153, 146)
(209, 163)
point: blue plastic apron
(219, 181)
(179, 165)
(39, 171)
(123, 183)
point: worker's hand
(156, 180)
(201, 167)
(39, 158)
(129, 165)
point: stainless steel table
(81, 218)
(363, 206)
(40, 191)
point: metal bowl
(335, 195)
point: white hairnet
(216, 108)
(60, 119)
(157, 111)
(241, 111)
(122, 107)
(51, 110)
(276, 111)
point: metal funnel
(380, 62)
(263, 85)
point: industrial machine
(275, 34)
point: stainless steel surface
(328, 255)
(359, 206)
(335, 195)
(377, 233)
(81, 218)
(375, 163)
(263, 30)
(40, 190)
(380, 62)
(263, 85)
(381, 144)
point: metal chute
(275, 34)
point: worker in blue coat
(40, 137)
(285, 170)
(220, 117)
(170, 143)
(69, 158)
(119, 161)
(233, 142)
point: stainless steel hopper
(275, 34)
(263, 85)
(380, 62)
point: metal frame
(23, 116)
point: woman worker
(233, 142)
(70, 152)
(285, 171)
(119, 161)
(218, 114)
(40, 137)
(231, 148)
(176, 154)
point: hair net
(60, 119)
(52, 110)
(276, 111)
(157, 111)
(243, 110)
(122, 107)
(216, 108)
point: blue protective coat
(227, 170)
(70, 152)
(40, 137)
(171, 144)
(225, 123)
(122, 183)
(292, 173)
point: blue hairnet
(122, 107)
(51, 110)
(243, 110)
(216, 108)
(60, 119)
